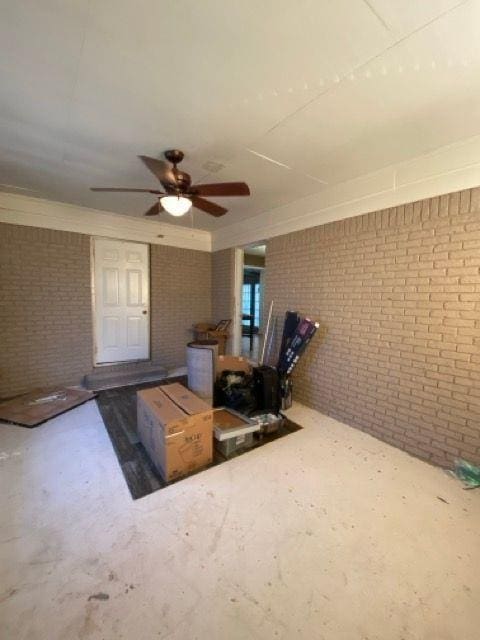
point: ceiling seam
(359, 67)
(333, 86)
(377, 15)
(77, 75)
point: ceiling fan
(179, 194)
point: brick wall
(397, 293)
(45, 306)
(222, 281)
(180, 296)
(223, 267)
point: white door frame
(237, 302)
(237, 285)
(94, 317)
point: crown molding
(36, 212)
(448, 169)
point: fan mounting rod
(174, 156)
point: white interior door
(121, 287)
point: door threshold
(98, 365)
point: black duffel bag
(234, 389)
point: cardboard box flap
(227, 419)
(233, 363)
(185, 399)
(160, 404)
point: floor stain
(218, 533)
(8, 594)
(99, 596)
(89, 626)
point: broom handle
(265, 337)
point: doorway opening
(252, 300)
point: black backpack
(234, 389)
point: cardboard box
(176, 429)
(188, 401)
(233, 363)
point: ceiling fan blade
(154, 210)
(121, 189)
(160, 170)
(209, 207)
(224, 189)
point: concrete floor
(325, 534)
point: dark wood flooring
(118, 408)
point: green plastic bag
(468, 473)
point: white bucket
(201, 363)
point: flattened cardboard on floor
(177, 441)
(42, 404)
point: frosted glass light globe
(176, 205)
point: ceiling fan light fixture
(178, 195)
(176, 205)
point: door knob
(144, 312)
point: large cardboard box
(176, 429)
(232, 363)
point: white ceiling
(332, 90)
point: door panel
(134, 287)
(121, 280)
(134, 332)
(111, 295)
(110, 331)
(110, 254)
(134, 256)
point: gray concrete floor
(325, 534)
